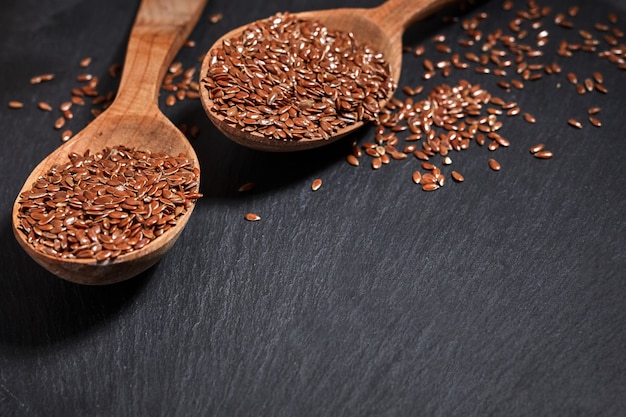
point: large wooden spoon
(133, 120)
(380, 27)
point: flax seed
(601, 88)
(517, 84)
(66, 135)
(44, 106)
(84, 63)
(457, 176)
(536, 148)
(594, 110)
(595, 121)
(352, 160)
(252, 217)
(59, 123)
(529, 118)
(317, 183)
(543, 154)
(170, 100)
(571, 77)
(575, 123)
(14, 104)
(494, 165)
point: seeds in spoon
(286, 78)
(103, 205)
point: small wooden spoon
(133, 120)
(381, 27)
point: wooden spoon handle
(160, 29)
(394, 16)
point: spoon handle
(394, 16)
(160, 29)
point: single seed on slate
(44, 106)
(537, 148)
(376, 163)
(543, 154)
(598, 77)
(457, 177)
(14, 104)
(594, 110)
(571, 77)
(65, 106)
(352, 160)
(417, 177)
(59, 123)
(84, 63)
(517, 84)
(317, 183)
(494, 165)
(170, 100)
(575, 123)
(513, 111)
(252, 217)
(66, 135)
(596, 122)
(529, 118)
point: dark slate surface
(501, 296)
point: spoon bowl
(380, 27)
(135, 121)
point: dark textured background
(501, 296)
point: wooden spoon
(381, 27)
(133, 120)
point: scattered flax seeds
(103, 205)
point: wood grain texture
(503, 295)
